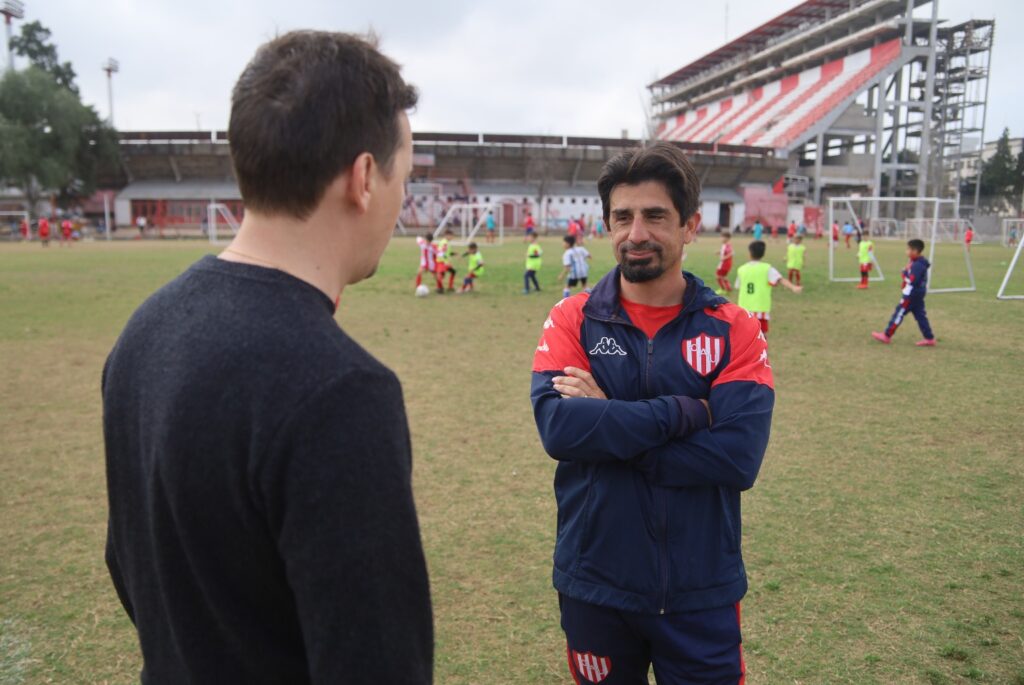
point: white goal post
(20, 215)
(1001, 295)
(466, 219)
(215, 211)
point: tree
(49, 140)
(34, 44)
(1018, 182)
(999, 176)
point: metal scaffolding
(963, 60)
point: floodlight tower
(111, 66)
(11, 9)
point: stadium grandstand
(869, 97)
(170, 177)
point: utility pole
(111, 66)
(11, 9)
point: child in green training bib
(865, 257)
(533, 263)
(475, 266)
(755, 280)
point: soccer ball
(422, 291)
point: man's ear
(360, 185)
(690, 228)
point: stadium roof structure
(760, 37)
(169, 162)
(873, 90)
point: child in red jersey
(44, 231)
(724, 264)
(529, 226)
(968, 237)
(427, 260)
(65, 232)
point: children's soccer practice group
(754, 283)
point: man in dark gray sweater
(262, 526)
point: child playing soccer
(65, 232)
(475, 266)
(44, 231)
(795, 258)
(443, 261)
(490, 226)
(755, 281)
(968, 237)
(864, 254)
(533, 263)
(915, 287)
(574, 266)
(529, 226)
(724, 264)
(427, 263)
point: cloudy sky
(576, 67)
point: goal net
(217, 216)
(946, 244)
(10, 223)
(467, 219)
(857, 218)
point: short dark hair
(916, 244)
(569, 240)
(726, 234)
(757, 249)
(306, 105)
(660, 161)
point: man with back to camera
(655, 396)
(259, 531)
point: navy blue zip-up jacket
(648, 496)
(915, 279)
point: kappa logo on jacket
(608, 346)
(703, 353)
(592, 668)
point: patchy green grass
(884, 538)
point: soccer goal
(1013, 232)
(1001, 295)
(855, 211)
(466, 220)
(17, 218)
(945, 239)
(215, 212)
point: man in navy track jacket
(655, 396)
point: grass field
(884, 538)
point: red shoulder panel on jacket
(748, 356)
(559, 344)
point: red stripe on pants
(743, 665)
(572, 666)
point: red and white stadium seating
(777, 114)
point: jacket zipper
(663, 508)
